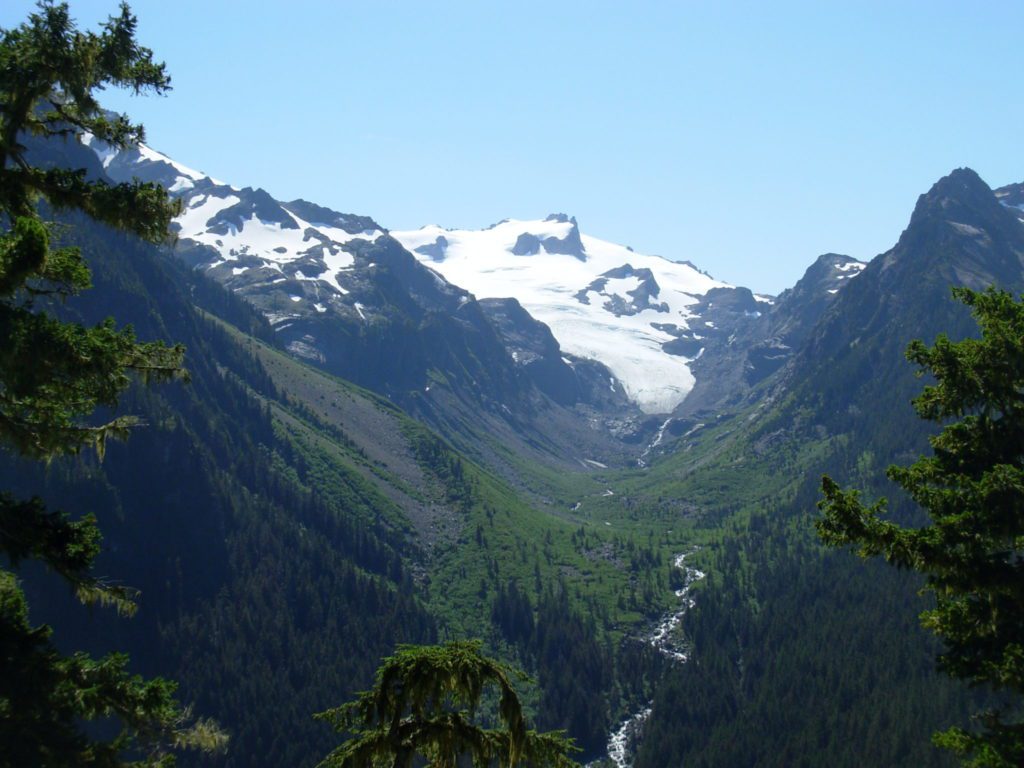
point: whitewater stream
(642, 461)
(664, 638)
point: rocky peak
(959, 198)
(435, 250)
(1012, 196)
(825, 276)
(629, 298)
(529, 243)
(571, 244)
(318, 215)
(566, 379)
(516, 322)
(959, 234)
(253, 202)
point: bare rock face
(737, 361)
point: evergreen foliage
(53, 375)
(422, 704)
(801, 656)
(973, 490)
(573, 668)
(270, 581)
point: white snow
(181, 185)
(335, 263)
(268, 241)
(275, 318)
(855, 266)
(620, 286)
(103, 151)
(274, 244)
(546, 284)
(147, 153)
(200, 210)
(141, 153)
(694, 429)
(850, 269)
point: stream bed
(664, 638)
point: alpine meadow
(282, 485)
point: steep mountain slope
(645, 317)
(342, 293)
(1012, 196)
(852, 365)
(730, 370)
(210, 513)
(623, 329)
(286, 528)
(809, 657)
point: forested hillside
(287, 529)
(807, 657)
(236, 558)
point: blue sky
(745, 137)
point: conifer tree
(422, 706)
(54, 374)
(972, 487)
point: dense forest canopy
(973, 490)
(53, 376)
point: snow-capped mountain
(244, 237)
(731, 367)
(399, 311)
(642, 316)
(339, 291)
(1012, 196)
(297, 260)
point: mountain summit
(641, 316)
(853, 362)
(305, 267)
